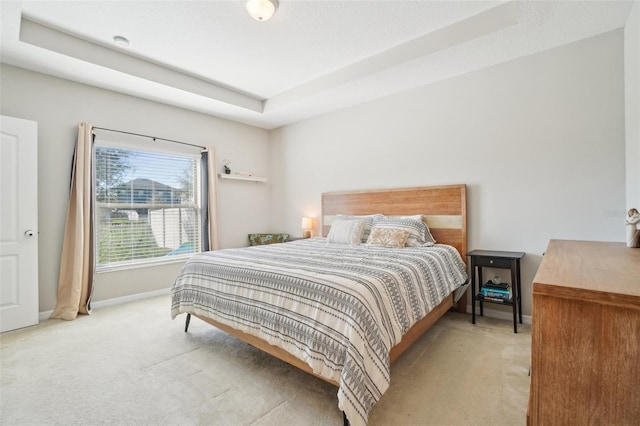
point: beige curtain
(77, 263)
(212, 190)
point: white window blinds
(147, 203)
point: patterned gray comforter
(337, 307)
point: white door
(18, 223)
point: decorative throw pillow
(368, 221)
(346, 231)
(419, 234)
(387, 237)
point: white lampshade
(307, 224)
(262, 10)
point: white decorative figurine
(633, 228)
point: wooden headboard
(444, 208)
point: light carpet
(132, 365)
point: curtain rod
(150, 137)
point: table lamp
(307, 224)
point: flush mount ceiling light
(121, 41)
(262, 10)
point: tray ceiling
(311, 58)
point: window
(148, 206)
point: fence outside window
(148, 207)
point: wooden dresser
(585, 335)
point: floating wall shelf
(242, 177)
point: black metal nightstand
(496, 259)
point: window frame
(197, 206)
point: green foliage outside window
(123, 240)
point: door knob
(29, 233)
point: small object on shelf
(226, 164)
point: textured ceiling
(312, 57)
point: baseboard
(502, 315)
(115, 301)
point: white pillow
(428, 236)
(346, 231)
(419, 234)
(368, 220)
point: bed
(341, 312)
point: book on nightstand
(496, 299)
(497, 292)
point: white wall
(58, 105)
(632, 104)
(539, 141)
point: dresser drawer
(493, 262)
